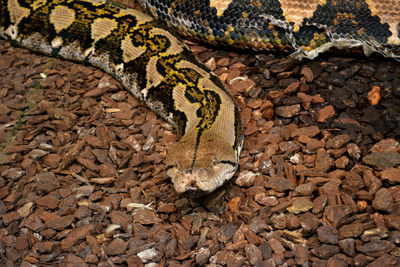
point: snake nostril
(192, 187)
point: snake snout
(190, 181)
(192, 188)
(202, 168)
(201, 179)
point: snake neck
(148, 61)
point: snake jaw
(189, 181)
(204, 180)
(202, 171)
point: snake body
(153, 65)
(159, 70)
(304, 27)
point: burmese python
(159, 70)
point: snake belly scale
(149, 62)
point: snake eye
(214, 161)
(177, 164)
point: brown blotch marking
(154, 78)
(62, 17)
(130, 52)
(17, 13)
(220, 6)
(140, 16)
(101, 28)
(389, 12)
(295, 10)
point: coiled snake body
(159, 70)
(306, 27)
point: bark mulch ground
(83, 180)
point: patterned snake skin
(159, 70)
(149, 62)
(305, 27)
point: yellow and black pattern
(152, 64)
(158, 69)
(305, 27)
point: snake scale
(158, 69)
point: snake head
(201, 168)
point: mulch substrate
(83, 180)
